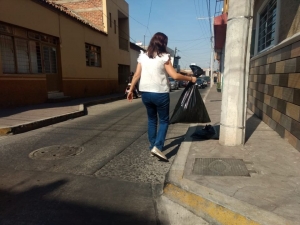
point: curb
(82, 111)
(207, 203)
(41, 123)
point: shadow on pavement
(176, 142)
(251, 125)
(42, 205)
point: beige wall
(17, 12)
(78, 80)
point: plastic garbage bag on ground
(208, 132)
(190, 107)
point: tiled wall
(274, 91)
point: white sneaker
(155, 151)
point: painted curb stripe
(217, 212)
(5, 131)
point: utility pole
(236, 69)
(212, 49)
(176, 60)
(212, 53)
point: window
(35, 57)
(115, 26)
(267, 25)
(7, 54)
(49, 55)
(92, 55)
(27, 52)
(110, 19)
(22, 55)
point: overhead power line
(147, 28)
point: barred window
(27, 52)
(22, 55)
(49, 55)
(267, 26)
(35, 57)
(7, 54)
(92, 55)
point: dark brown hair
(157, 45)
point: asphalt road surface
(95, 169)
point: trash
(197, 71)
(190, 107)
(208, 132)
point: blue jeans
(157, 104)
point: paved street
(90, 170)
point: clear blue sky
(178, 20)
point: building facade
(274, 73)
(53, 48)
(274, 79)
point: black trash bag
(197, 71)
(190, 107)
(208, 132)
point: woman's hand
(194, 79)
(130, 96)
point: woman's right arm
(177, 76)
(134, 80)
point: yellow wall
(78, 80)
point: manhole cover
(55, 152)
(220, 167)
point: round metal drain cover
(55, 152)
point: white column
(236, 68)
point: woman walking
(153, 68)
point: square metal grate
(220, 167)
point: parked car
(184, 83)
(200, 82)
(174, 84)
(181, 83)
(207, 79)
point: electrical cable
(149, 17)
(200, 24)
(147, 27)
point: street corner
(205, 208)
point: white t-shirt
(154, 77)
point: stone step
(56, 96)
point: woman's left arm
(177, 76)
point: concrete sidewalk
(22, 119)
(269, 195)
